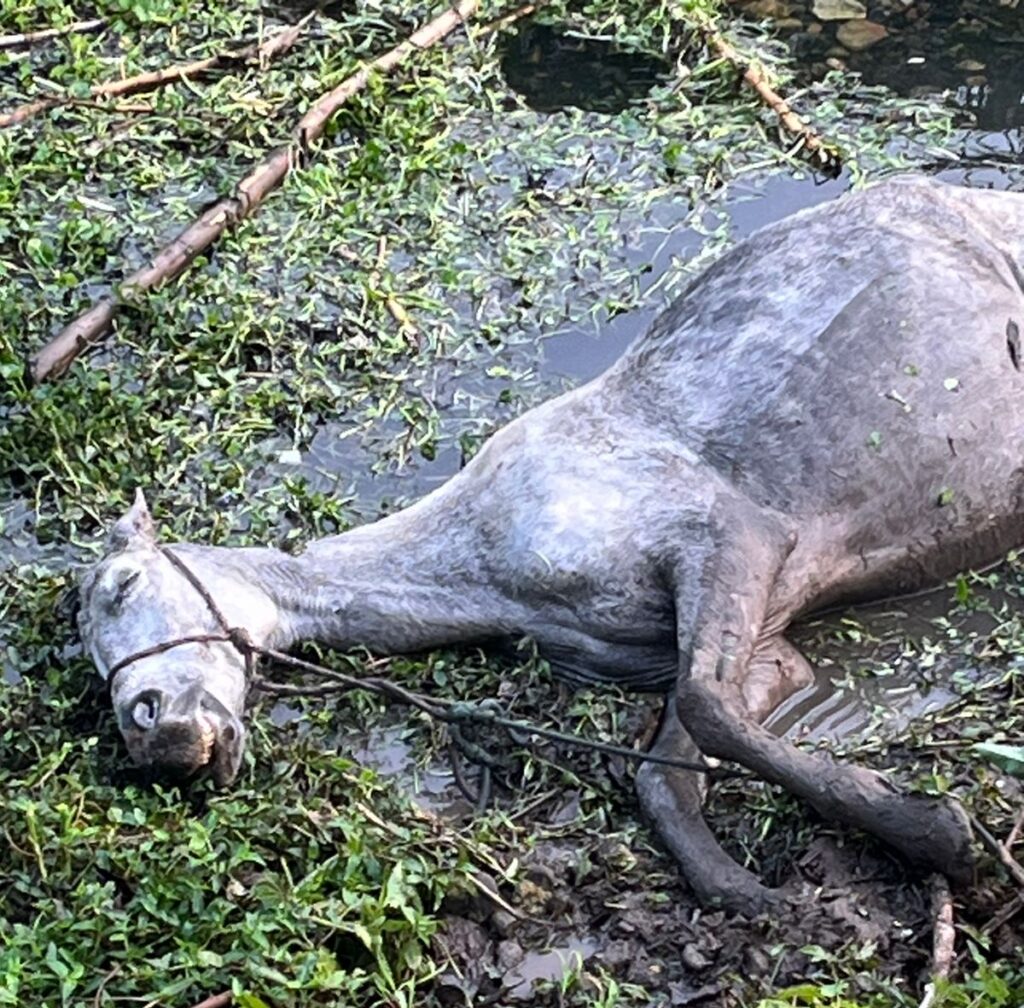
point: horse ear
(135, 529)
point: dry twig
(498, 24)
(826, 155)
(97, 1001)
(1008, 843)
(1008, 912)
(944, 937)
(53, 359)
(996, 848)
(275, 44)
(216, 1001)
(29, 38)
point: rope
(455, 713)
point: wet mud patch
(625, 914)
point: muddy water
(877, 667)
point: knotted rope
(454, 713)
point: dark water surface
(969, 50)
(554, 70)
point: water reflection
(553, 70)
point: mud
(638, 922)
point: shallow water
(972, 51)
(551, 964)
(878, 667)
(553, 70)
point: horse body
(831, 411)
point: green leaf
(250, 1001)
(1007, 757)
(963, 590)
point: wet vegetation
(274, 393)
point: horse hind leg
(671, 798)
(777, 670)
(723, 600)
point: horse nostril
(146, 710)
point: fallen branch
(53, 359)
(500, 23)
(943, 938)
(275, 44)
(217, 1001)
(825, 154)
(996, 848)
(29, 38)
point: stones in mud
(776, 9)
(859, 35)
(839, 10)
(694, 958)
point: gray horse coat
(831, 412)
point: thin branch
(500, 23)
(996, 848)
(824, 153)
(55, 357)
(486, 891)
(275, 44)
(217, 1001)
(1008, 912)
(943, 938)
(97, 1001)
(29, 38)
(1008, 843)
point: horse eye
(124, 586)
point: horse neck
(410, 581)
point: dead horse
(830, 412)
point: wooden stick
(216, 1001)
(500, 23)
(826, 154)
(28, 38)
(273, 45)
(55, 357)
(996, 848)
(943, 938)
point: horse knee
(705, 715)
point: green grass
(491, 225)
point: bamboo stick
(30, 38)
(273, 45)
(55, 357)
